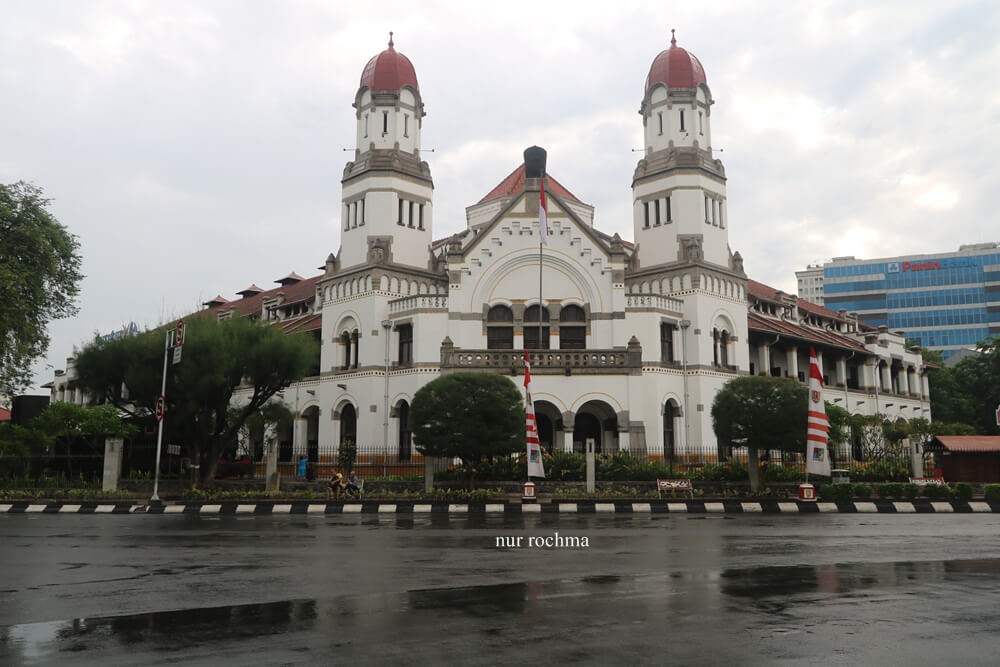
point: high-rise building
(946, 301)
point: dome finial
(390, 39)
(673, 39)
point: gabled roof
(966, 443)
(252, 304)
(816, 335)
(514, 184)
(290, 279)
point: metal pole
(386, 327)
(159, 433)
(684, 361)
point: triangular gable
(560, 207)
(514, 184)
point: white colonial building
(631, 340)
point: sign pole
(161, 417)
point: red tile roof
(290, 278)
(514, 184)
(252, 304)
(757, 322)
(969, 443)
(4, 415)
(768, 293)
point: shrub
(937, 491)
(836, 491)
(885, 470)
(890, 490)
(347, 454)
(991, 492)
(862, 491)
(910, 491)
(963, 491)
(566, 467)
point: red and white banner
(543, 215)
(818, 426)
(535, 467)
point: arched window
(403, 415)
(345, 342)
(531, 328)
(348, 424)
(500, 328)
(572, 328)
(669, 444)
(720, 347)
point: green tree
(73, 429)
(220, 359)
(761, 413)
(40, 274)
(471, 416)
(968, 392)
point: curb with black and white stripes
(512, 508)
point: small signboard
(177, 355)
(174, 450)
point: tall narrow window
(361, 212)
(406, 125)
(399, 220)
(572, 328)
(421, 223)
(403, 415)
(385, 123)
(701, 124)
(366, 126)
(645, 214)
(708, 212)
(347, 217)
(668, 430)
(345, 342)
(715, 207)
(659, 115)
(405, 344)
(354, 342)
(666, 342)
(409, 219)
(354, 214)
(669, 214)
(531, 328)
(500, 328)
(722, 217)
(682, 120)
(656, 204)
(724, 348)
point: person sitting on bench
(335, 486)
(353, 487)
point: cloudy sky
(197, 147)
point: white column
(764, 358)
(886, 380)
(842, 371)
(792, 362)
(925, 386)
(567, 441)
(904, 381)
(624, 440)
(300, 433)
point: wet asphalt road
(843, 589)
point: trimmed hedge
(992, 492)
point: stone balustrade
(418, 302)
(653, 302)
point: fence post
(428, 474)
(112, 463)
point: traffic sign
(179, 335)
(177, 355)
(161, 407)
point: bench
(673, 485)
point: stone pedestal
(112, 463)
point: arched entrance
(597, 420)
(348, 424)
(311, 415)
(670, 413)
(405, 445)
(549, 421)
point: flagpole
(540, 261)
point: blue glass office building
(946, 301)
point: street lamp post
(687, 419)
(386, 327)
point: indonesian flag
(818, 426)
(535, 467)
(543, 215)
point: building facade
(630, 340)
(946, 301)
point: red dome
(389, 70)
(675, 68)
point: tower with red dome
(679, 187)
(387, 189)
